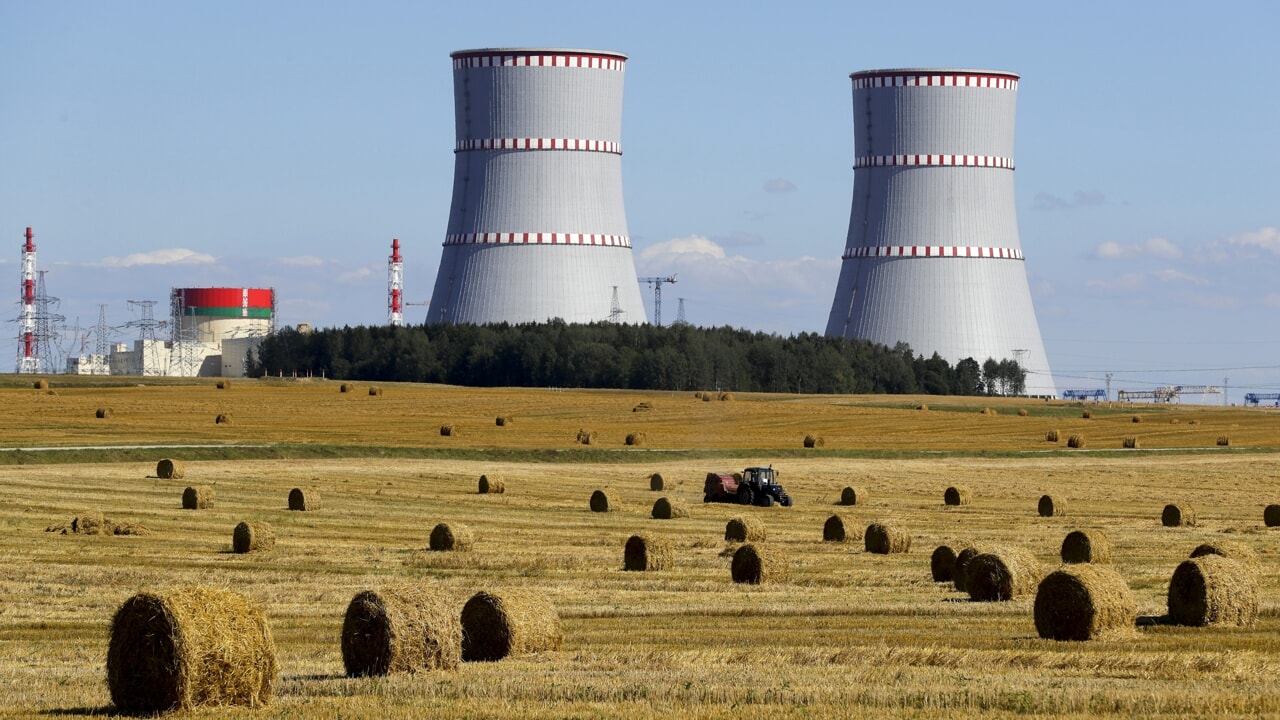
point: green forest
(637, 357)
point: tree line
(621, 356)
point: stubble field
(849, 635)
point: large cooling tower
(933, 257)
(537, 228)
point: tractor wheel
(766, 500)
(745, 496)
(785, 501)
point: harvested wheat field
(846, 634)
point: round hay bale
(966, 554)
(41, 385)
(509, 622)
(1237, 551)
(586, 437)
(1213, 590)
(602, 501)
(988, 411)
(1130, 442)
(957, 496)
(698, 395)
(1052, 506)
(1137, 418)
(405, 628)
(346, 388)
(814, 441)
(186, 647)
(252, 537)
(853, 495)
(222, 419)
(491, 485)
(646, 552)
(1076, 441)
(883, 539)
(1271, 516)
(922, 407)
(1175, 515)
(667, 508)
(304, 499)
(449, 430)
(707, 397)
(90, 522)
(103, 413)
(224, 384)
(502, 420)
(375, 391)
(841, 528)
(1224, 441)
(745, 529)
(1084, 602)
(756, 564)
(942, 563)
(1051, 436)
(451, 538)
(197, 497)
(1007, 573)
(656, 482)
(635, 438)
(1087, 414)
(726, 397)
(1086, 546)
(1023, 412)
(168, 469)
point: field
(850, 634)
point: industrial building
(933, 256)
(537, 229)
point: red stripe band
(594, 62)
(957, 251)
(988, 161)
(999, 82)
(537, 239)
(605, 146)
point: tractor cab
(759, 475)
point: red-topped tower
(28, 359)
(395, 286)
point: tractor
(753, 486)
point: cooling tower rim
(480, 52)
(933, 71)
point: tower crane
(656, 284)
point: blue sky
(159, 144)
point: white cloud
(1170, 276)
(779, 185)
(355, 276)
(167, 256)
(301, 261)
(1267, 238)
(693, 245)
(1124, 283)
(1156, 247)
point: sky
(284, 144)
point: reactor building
(537, 229)
(933, 257)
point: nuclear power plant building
(933, 256)
(537, 229)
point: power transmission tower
(147, 326)
(656, 284)
(615, 307)
(46, 326)
(680, 319)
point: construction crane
(411, 304)
(1258, 398)
(1095, 394)
(1167, 393)
(656, 284)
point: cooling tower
(933, 257)
(537, 228)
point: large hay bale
(509, 622)
(1223, 441)
(814, 441)
(304, 499)
(988, 411)
(491, 485)
(1086, 546)
(197, 497)
(186, 647)
(103, 413)
(252, 537)
(841, 528)
(223, 419)
(1006, 573)
(1130, 442)
(942, 563)
(128, 528)
(90, 522)
(922, 407)
(883, 539)
(586, 437)
(1213, 590)
(1052, 506)
(635, 438)
(502, 420)
(451, 538)
(40, 385)
(449, 430)
(1051, 436)
(957, 496)
(725, 397)
(745, 529)
(667, 508)
(346, 388)
(1237, 551)
(756, 564)
(224, 384)
(1087, 414)
(964, 556)
(404, 628)
(168, 469)
(1175, 515)
(602, 501)
(375, 391)
(1076, 441)
(853, 495)
(707, 397)
(1084, 602)
(656, 482)
(1271, 516)
(1023, 412)
(642, 407)
(646, 552)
